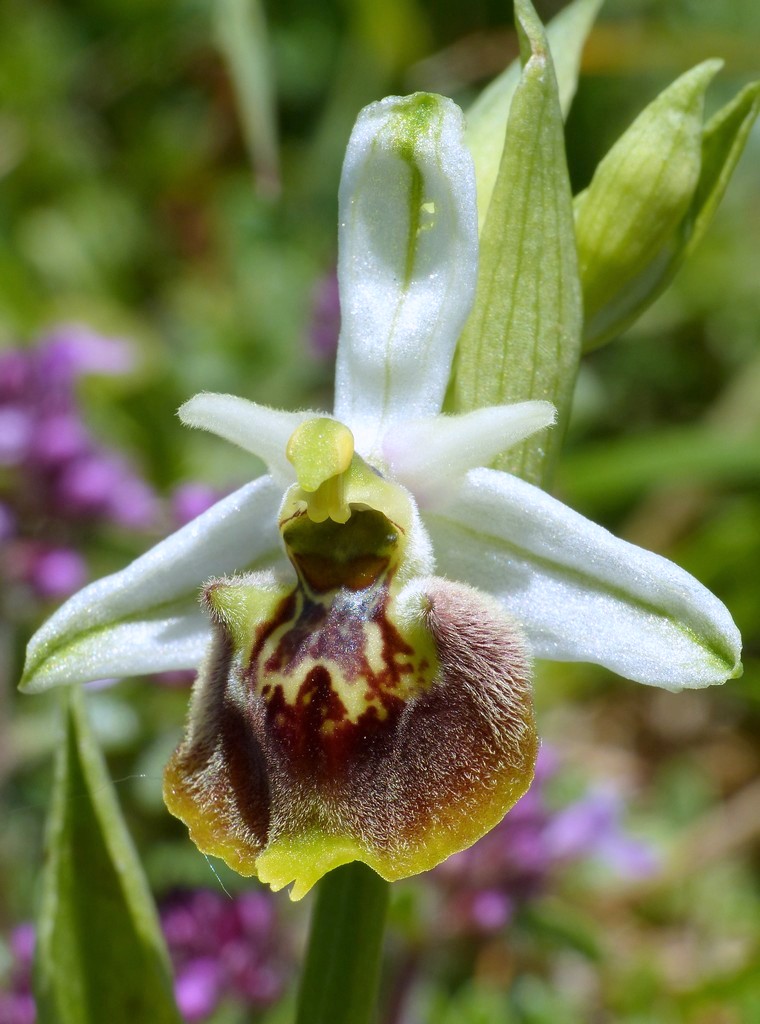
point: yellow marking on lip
(368, 665)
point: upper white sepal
(407, 266)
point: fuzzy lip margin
(263, 784)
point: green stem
(340, 978)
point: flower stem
(340, 978)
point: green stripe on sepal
(629, 609)
(653, 197)
(100, 955)
(145, 618)
(407, 262)
(522, 340)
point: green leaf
(653, 197)
(620, 470)
(522, 339)
(487, 117)
(241, 34)
(100, 955)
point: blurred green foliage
(128, 202)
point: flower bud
(627, 221)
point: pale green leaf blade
(241, 33)
(522, 339)
(487, 117)
(100, 955)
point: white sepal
(256, 428)
(428, 456)
(408, 249)
(146, 617)
(580, 593)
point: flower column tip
(321, 451)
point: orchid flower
(370, 607)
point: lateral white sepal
(146, 617)
(580, 593)
(407, 267)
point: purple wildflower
(60, 481)
(58, 438)
(17, 1003)
(7, 522)
(71, 350)
(516, 861)
(55, 572)
(490, 909)
(198, 988)
(15, 434)
(14, 371)
(98, 484)
(221, 948)
(592, 827)
(190, 500)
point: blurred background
(168, 180)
